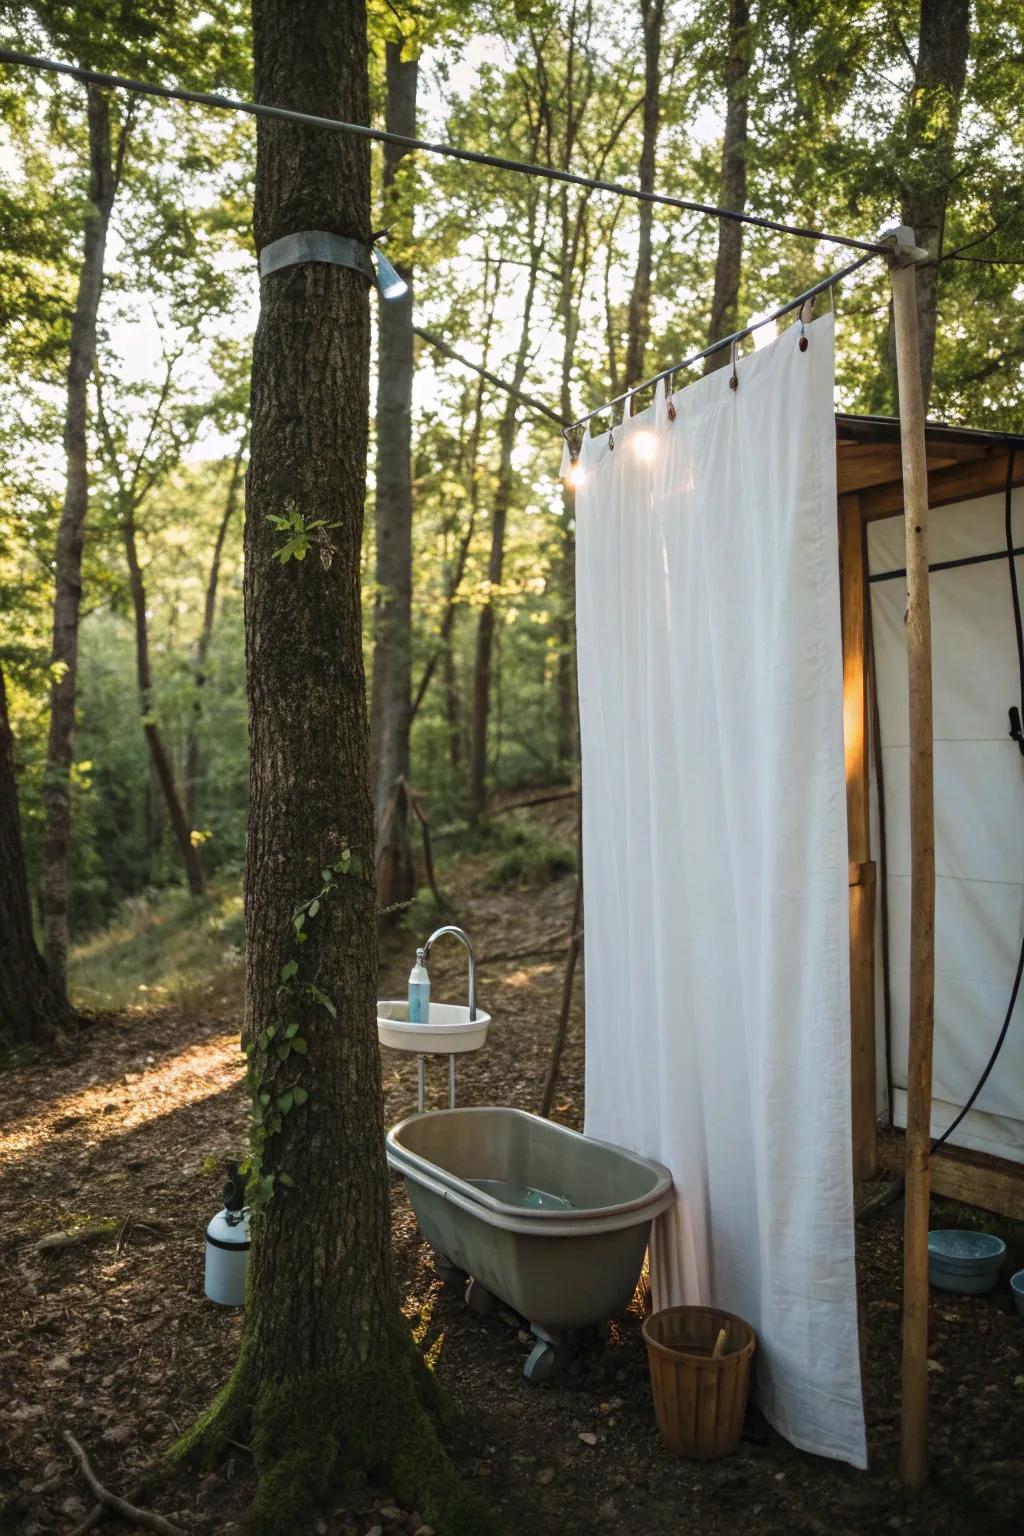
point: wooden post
(862, 870)
(914, 1425)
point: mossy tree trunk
(326, 1378)
(32, 1004)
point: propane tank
(227, 1245)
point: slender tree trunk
(391, 717)
(725, 302)
(70, 536)
(191, 764)
(928, 133)
(32, 1007)
(496, 559)
(157, 752)
(326, 1379)
(653, 14)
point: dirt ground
(115, 1342)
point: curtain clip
(806, 313)
(670, 408)
(734, 382)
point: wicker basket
(699, 1398)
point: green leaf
(300, 938)
(288, 970)
(298, 920)
(326, 876)
(267, 1187)
(264, 1039)
(291, 1031)
(300, 1095)
(314, 906)
(284, 1049)
(271, 1031)
(245, 1165)
(298, 1044)
(287, 1180)
(264, 1099)
(284, 1102)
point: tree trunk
(191, 764)
(70, 536)
(326, 1376)
(391, 719)
(32, 1007)
(725, 302)
(496, 558)
(928, 133)
(157, 752)
(653, 14)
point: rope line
(728, 341)
(449, 151)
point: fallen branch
(143, 1517)
(99, 1232)
(99, 1513)
(524, 805)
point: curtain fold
(714, 829)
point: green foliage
(529, 855)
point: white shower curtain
(715, 858)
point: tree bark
(725, 301)
(652, 14)
(391, 717)
(154, 741)
(32, 1007)
(928, 136)
(326, 1376)
(70, 537)
(191, 759)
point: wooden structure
(962, 465)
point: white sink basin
(448, 1030)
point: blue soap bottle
(419, 991)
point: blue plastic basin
(960, 1260)
(1017, 1287)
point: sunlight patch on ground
(145, 1092)
(526, 974)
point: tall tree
(736, 71)
(652, 14)
(133, 480)
(928, 134)
(191, 761)
(326, 1375)
(32, 1007)
(391, 715)
(500, 507)
(104, 162)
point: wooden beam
(914, 1423)
(961, 482)
(858, 818)
(972, 1177)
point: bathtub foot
(478, 1299)
(547, 1357)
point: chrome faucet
(463, 937)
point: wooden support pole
(914, 1424)
(862, 870)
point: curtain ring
(734, 382)
(670, 408)
(806, 307)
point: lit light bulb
(645, 446)
(577, 475)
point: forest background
(843, 114)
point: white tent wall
(715, 850)
(979, 818)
